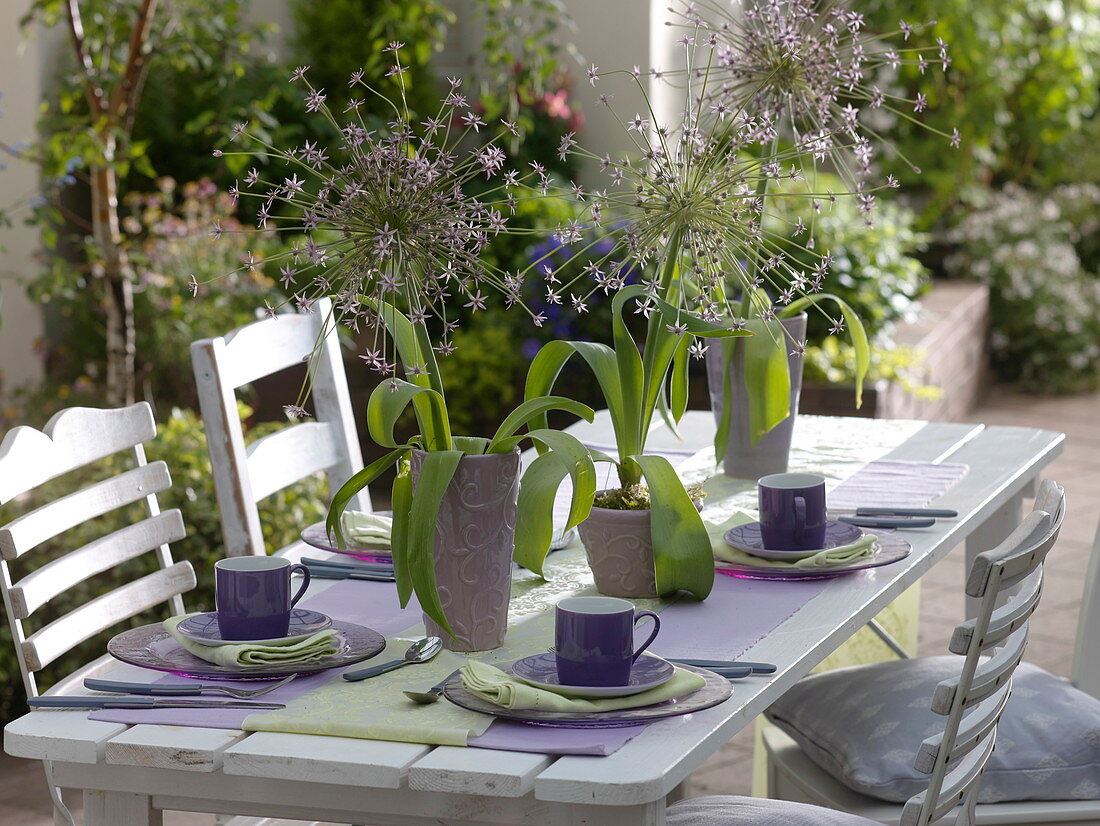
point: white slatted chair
(992, 645)
(28, 458)
(245, 475)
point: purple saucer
(747, 538)
(542, 670)
(204, 628)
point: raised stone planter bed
(951, 332)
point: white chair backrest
(245, 475)
(71, 439)
(1086, 657)
(993, 645)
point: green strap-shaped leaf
(578, 463)
(767, 377)
(351, 487)
(725, 421)
(535, 510)
(632, 376)
(855, 327)
(413, 345)
(682, 556)
(436, 472)
(401, 498)
(695, 325)
(678, 384)
(388, 401)
(534, 410)
(470, 445)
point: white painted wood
(222, 365)
(491, 774)
(115, 809)
(59, 735)
(43, 584)
(51, 641)
(311, 445)
(72, 438)
(1086, 657)
(171, 747)
(338, 760)
(32, 529)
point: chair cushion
(725, 810)
(863, 725)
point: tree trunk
(117, 278)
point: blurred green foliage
(1022, 84)
(181, 444)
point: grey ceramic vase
(743, 459)
(619, 547)
(474, 540)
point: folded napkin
(367, 530)
(491, 684)
(315, 647)
(840, 555)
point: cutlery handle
(91, 702)
(332, 573)
(886, 522)
(943, 513)
(756, 668)
(732, 673)
(373, 671)
(438, 687)
(153, 689)
(356, 566)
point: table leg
(119, 809)
(991, 533)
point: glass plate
(318, 537)
(150, 646)
(891, 548)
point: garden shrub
(1038, 254)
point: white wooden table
(130, 773)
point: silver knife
(86, 701)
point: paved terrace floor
(24, 802)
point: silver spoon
(430, 696)
(419, 652)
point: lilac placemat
(887, 483)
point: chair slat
(71, 439)
(958, 782)
(265, 347)
(51, 641)
(975, 725)
(1006, 619)
(989, 676)
(284, 457)
(1025, 548)
(40, 586)
(32, 529)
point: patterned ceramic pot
(619, 547)
(743, 459)
(474, 540)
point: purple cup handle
(304, 571)
(652, 637)
(799, 515)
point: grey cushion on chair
(863, 725)
(747, 811)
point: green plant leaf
(470, 445)
(695, 325)
(678, 385)
(413, 345)
(725, 420)
(767, 377)
(632, 376)
(855, 328)
(351, 487)
(682, 555)
(401, 498)
(535, 508)
(536, 409)
(388, 401)
(577, 461)
(436, 472)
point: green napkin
(840, 555)
(322, 644)
(367, 530)
(499, 688)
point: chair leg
(61, 814)
(886, 637)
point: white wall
(21, 84)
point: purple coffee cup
(594, 640)
(253, 596)
(792, 511)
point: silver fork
(182, 689)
